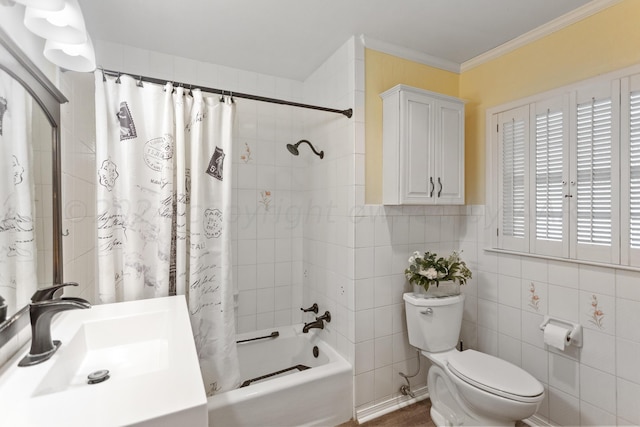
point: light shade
(51, 5)
(64, 26)
(74, 57)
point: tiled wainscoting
(598, 384)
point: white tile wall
(375, 240)
(78, 184)
(598, 384)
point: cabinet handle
(440, 190)
(432, 186)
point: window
(558, 181)
(594, 172)
(551, 165)
(513, 131)
(594, 187)
(630, 170)
(634, 169)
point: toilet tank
(433, 323)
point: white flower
(429, 273)
(416, 255)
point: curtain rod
(112, 73)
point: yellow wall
(603, 42)
(383, 72)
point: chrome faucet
(318, 323)
(41, 313)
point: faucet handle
(313, 308)
(46, 294)
(326, 317)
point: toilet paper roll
(556, 336)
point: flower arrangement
(429, 269)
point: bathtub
(321, 395)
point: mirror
(30, 220)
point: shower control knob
(313, 308)
(326, 317)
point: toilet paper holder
(575, 336)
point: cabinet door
(448, 161)
(417, 134)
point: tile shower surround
(349, 257)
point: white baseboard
(390, 405)
(535, 421)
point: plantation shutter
(595, 192)
(513, 139)
(568, 175)
(594, 172)
(630, 167)
(550, 165)
(513, 179)
(634, 169)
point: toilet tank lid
(494, 374)
(432, 302)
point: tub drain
(316, 351)
(98, 376)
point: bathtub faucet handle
(313, 308)
(326, 317)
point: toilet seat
(495, 376)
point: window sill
(572, 260)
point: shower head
(293, 149)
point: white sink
(147, 347)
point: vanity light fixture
(51, 5)
(74, 57)
(64, 26)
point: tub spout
(315, 324)
(318, 323)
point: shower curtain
(18, 250)
(163, 209)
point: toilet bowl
(466, 387)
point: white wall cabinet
(423, 148)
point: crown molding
(410, 54)
(544, 30)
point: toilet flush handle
(428, 311)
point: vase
(444, 289)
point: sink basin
(153, 373)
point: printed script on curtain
(135, 161)
(18, 250)
(208, 142)
(163, 209)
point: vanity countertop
(147, 346)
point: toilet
(466, 387)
